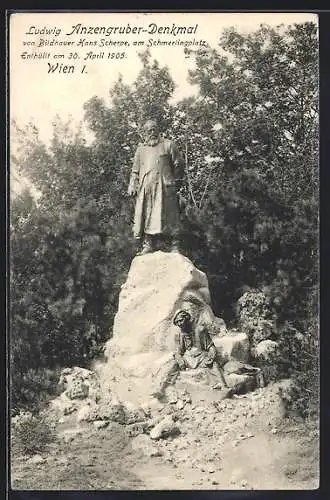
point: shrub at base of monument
(255, 316)
(266, 357)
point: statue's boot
(175, 246)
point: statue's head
(182, 319)
(151, 130)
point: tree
(71, 250)
(251, 140)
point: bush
(31, 434)
(32, 390)
(255, 316)
(299, 362)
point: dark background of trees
(250, 142)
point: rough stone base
(199, 385)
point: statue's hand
(132, 191)
(180, 361)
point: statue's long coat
(157, 172)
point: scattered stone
(148, 448)
(199, 409)
(165, 428)
(69, 409)
(100, 424)
(133, 414)
(137, 428)
(152, 422)
(241, 383)
(180, 404)
(144, 444)
(156, 453)
(83, 413)
(117, 413)
(79, 383)
(172, 395)
(68, 435)
(36, 460)
(186, 397)
(61, 406)
(152, 405)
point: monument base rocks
(124, 389)
(144, 337)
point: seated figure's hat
(181, 315)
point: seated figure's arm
(208, 346)
(180, 361)
(178, 356)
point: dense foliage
(250, 142)
(31, 434)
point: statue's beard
(152, 141)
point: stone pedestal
(144, 337)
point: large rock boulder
(256, 317)
(165, 428)
(266, 350)
(157, 285)
(144, 337)
(79, 383)
(233, 346)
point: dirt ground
(242, 443)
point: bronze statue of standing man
(156, 178)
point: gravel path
(242, 443)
